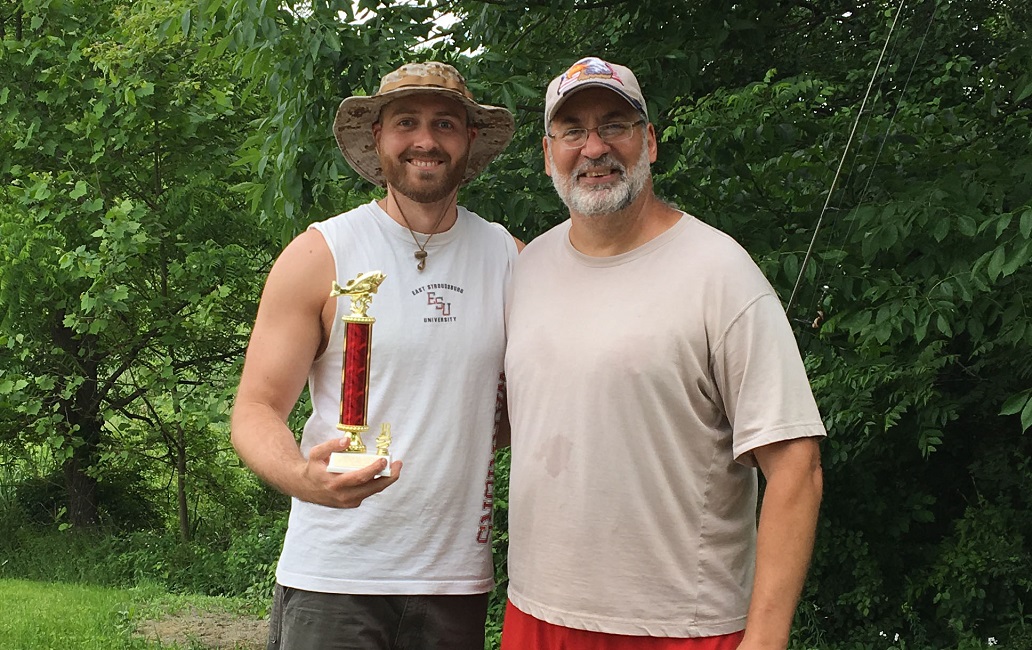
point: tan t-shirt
(638, 386)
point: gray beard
(602, 200)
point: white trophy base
(342, 461)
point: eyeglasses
(609, 133)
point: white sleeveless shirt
(438, 345)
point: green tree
(126, 276)
(912, 312)
(134, 236)
(921, 279)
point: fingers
(321, 453)
(364, 475)
(347, 489)
(360, 484)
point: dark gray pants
(306, 620)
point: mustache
(427, 153)
(605, 160)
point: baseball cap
(593, 72)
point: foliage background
(157, 156)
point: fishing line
(865, 192)
(892, 119)
(842, 160)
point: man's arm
(504, 434)
(784, 544)
(288, 334)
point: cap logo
(589, 68)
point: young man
(411, 567)
(650, 370)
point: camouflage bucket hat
(356, 115)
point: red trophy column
(354, 381)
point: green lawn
(57, 616)
(38, 616)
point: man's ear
(473, 133)
(548, 159)
(377, 130)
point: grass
(59, 616)
(40, 616)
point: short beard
(604, 199)
(395, 174)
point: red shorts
(524, 632)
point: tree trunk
(82, 493)
(80, 486)
(184, 511)
(83, 423)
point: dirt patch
(216, 630)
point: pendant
(421, 256)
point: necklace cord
(421, 254)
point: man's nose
(423, 137)
(594, 146)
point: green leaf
(220, 47)
(1017, 259)
(967, 226)
(1016, 403)
(212, 8)
(996, 262)
(1025, 92)
(1002, 223)
(975, 327)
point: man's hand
(346, 490)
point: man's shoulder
(361, 221)
(549, 237)
(706, 233)
(486, 233)
(360, 210)
(705, 241)
(475, 221)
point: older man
(650, 370)
(411, 567)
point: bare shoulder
(289, 330)
(302, 272)
(297, 289)
(306, 252)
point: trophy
(354, 382)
